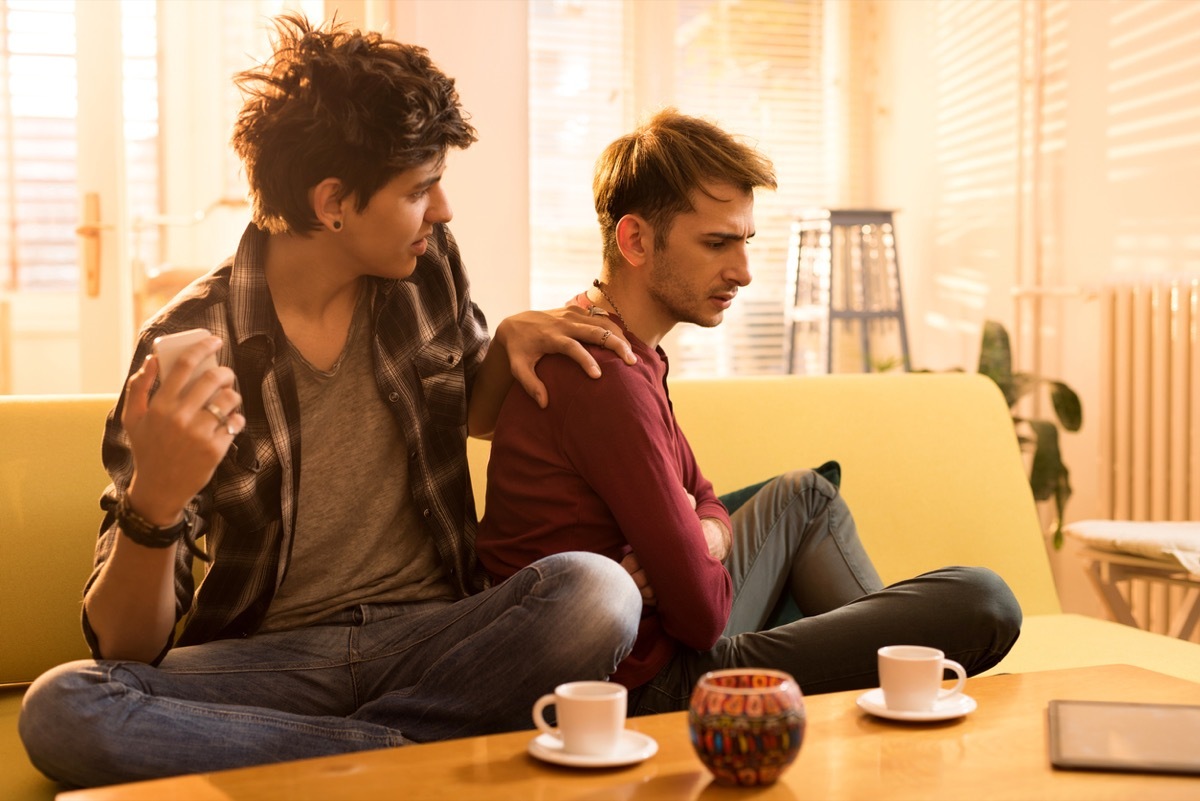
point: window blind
(39, 201)
(577, 105)
(977, 142)
(37, 87)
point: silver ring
(604, 337)
(216, 412)
(595, 310)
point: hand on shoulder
(528, 336)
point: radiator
(1150, 438)
(1149, 416)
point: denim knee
(599, 599)
(600, 587)
(51, 725)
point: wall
(482, 45)
(1112, 95)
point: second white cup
(911, 677)
(590, 714)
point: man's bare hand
(178, 437)
(528, 336)
(634, 568)
(717, 536)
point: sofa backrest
(51, 479)
(931, 467)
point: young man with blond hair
(605, 468)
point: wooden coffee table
(996, 752)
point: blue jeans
(796, 540)
(373, 677)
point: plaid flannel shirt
(429, 341)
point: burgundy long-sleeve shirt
(605, 468)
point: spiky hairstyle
(338, 103)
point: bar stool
(842, 268)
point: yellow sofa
(50, 484)
(930, 467)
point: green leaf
(1047, 461)
(995, 359)
(1048, 476)
(1066, 406)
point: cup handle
(538, 720)
(950, 664)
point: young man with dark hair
(322, 465)
(605, 468)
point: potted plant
(1048, 475)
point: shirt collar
(253, 313)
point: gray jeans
(375, 676)
(796, 536)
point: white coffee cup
(591, 716)
(911, 677)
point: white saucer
(634, 747)
(954, 707)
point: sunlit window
(39, 97)
(38, 164)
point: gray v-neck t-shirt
(359, 538)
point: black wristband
(143, 532)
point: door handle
(89, 230)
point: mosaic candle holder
(746, 724)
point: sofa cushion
(1057, 642)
